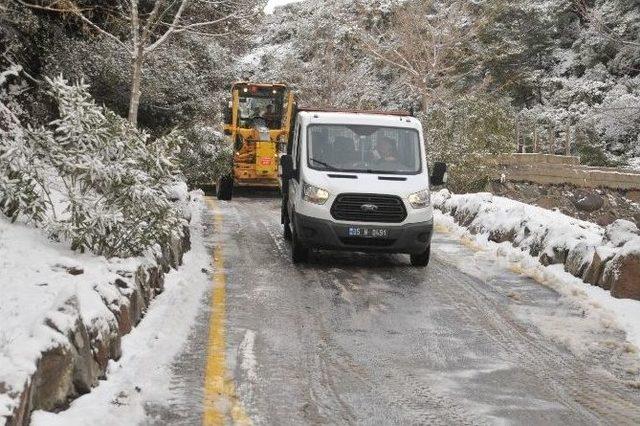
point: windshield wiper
(327, 166)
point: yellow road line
(221, 406)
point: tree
(428, 41)
(141, 26)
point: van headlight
(420, 199)
(313, 194)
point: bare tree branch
(176, 21)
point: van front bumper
(411, 238)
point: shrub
(593, 155)
(205, 155)
(21, 180)
(467, 135)
(101, 182)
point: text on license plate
(368, 232)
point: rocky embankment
(87, 332)
(608, 257)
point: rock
(558, 255)
(625, 276)
(176, 251)
(186, 239)
(588, 202)
(633, 196)
(53, 380)
(105, 348)
(75, 271)
(529, 192)
(72, 368)
(464, 217)
(548, 202)
(501, 235)
(594, 271)
(578, 259)
(22, 413)
(124, 274)
(84, 375)
(621, 231)
(142, 279)
(607, 277)
(617, 148)
(123, 316)
(606, 218)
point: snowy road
(369, 339)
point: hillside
(555, 63)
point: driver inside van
(387, 153)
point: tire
(421, 259)
(299, 253)
(224, 188)
(287, 229)
(284, 220)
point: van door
(294, 183)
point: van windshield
(363, 149)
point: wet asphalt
(367, 339)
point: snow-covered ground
(38, 278)
(546, 229)
(46, 290)
(634, 164)
(143, 373)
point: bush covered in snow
(88, 177)
(205, 154)
(466, 135)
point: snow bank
(143, 375)
(558, 250)
(55, 301)
(545, 233)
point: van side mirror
(439, 174)
(286, 162)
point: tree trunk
(136, 80)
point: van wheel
(299, 253)
(287, 229)
(421, 259)
(224, 188)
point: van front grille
(368, 208)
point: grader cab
(257, 122)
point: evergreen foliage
(205, 155)
(89, 178)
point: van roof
(355, 117)
(356, 111)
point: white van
(358, 181)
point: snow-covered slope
(59, 304)
(556, 250)
(143, 375)
(38, 278)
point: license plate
(355, 231)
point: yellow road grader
(257, 123)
